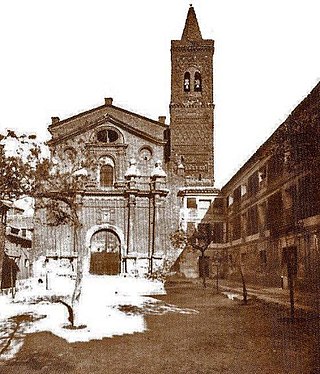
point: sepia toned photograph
(160, 187)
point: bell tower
(191, 106)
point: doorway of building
(105, 256)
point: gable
(135, 124)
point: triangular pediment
(124, 120)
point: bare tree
(200, 240)
(25, 172)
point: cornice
(92, 110)
(198, 190)
(192, 105)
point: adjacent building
(16, 243)
(273, 204)
(4, 207)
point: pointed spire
(191, 29)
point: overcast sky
(61, 57)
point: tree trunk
(244, 288)
(70, 312)
(291, 288)
(79, 277)
(204, 281)
(203, 269)
(217, 281)
(11, 279)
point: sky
(59, 58)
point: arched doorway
(105, 258)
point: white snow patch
(231, 296)
(104, 309)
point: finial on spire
(157, 170)
(191, 29)
(132, 170)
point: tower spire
(191, 106)
(191, 29)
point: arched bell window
(106, 175)
(197, 82)
(186, 82)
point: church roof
(191, 29)
(58, 122)
(86, 121)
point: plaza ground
(223, 337)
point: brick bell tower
(191, 107)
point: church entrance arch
(105, 244)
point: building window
(191, 203)
(107, 136)
(253, 184)
(263, 257)
(275, 213)
(236, 228)
(106, 172)
(186, 82)
(243, 189)
(145, 154)
(14, 231)
(275, 168)
(197, 82)
(237, 195)
(218, 232)
(308, 204)
(262, 174)
(262, 214)
(106, 176)
(252, 223)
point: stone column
(131, 192)
(131, 223)
(121, 164)
(158, 180)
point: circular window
(107, 136)
(145, 154)
(70, 154)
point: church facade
(143, 177)
(146, 180)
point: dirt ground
(224, 337)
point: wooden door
(106, 255)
